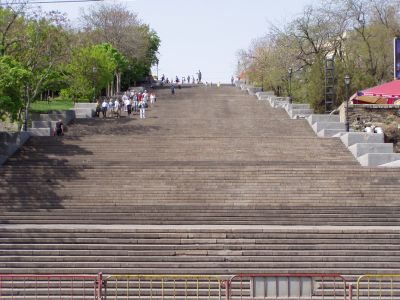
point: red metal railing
(278, 286)
(31, 286)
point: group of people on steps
(131, 101)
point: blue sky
(203, 34)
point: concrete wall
(10, 142)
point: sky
(204, 34)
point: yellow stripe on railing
(377, 283)
(166, 286)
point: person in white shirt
(104, 107)
(152, 98)
(117, 108)
(142, 109)
(128, 106)
(124, 100)
(145, 96)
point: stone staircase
(377, 154)
(211, 182)
(207, 250)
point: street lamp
(94, 83)
(290, 71)
(157, 68)
(262, 82)
(347, 83)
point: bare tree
(115, 24)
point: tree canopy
(358, 34)
(40, 52)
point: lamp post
(129, 76)
(157, 68)
(290, 71)
(94, 83)
(262, 82)
(347, 83)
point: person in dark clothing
(59, 128)
(98, 108)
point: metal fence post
(227, 289)
(99, 283)
(350, 292)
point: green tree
(13, 75)
(90, 70)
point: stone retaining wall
(375, 113)
(385, 116)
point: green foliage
(40, 53)
(13, 74)
(90, 70)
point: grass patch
(45, 107)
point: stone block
(66, 116)
(264, 95)
(377, 159)
(360, 149)
(44, 124)
(318, 126)
(351, 138)
(302, 113)
(84, 113)
(393, 164)
(328, 133)
(322, 118)
(279, 102)
(298, 106)
(40, 131)
(85, 105)
(253, 90)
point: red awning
(388, 90)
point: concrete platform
(318, 126)
(360, 149)
(352, 138)
(322, 118)
(295, 113)
(377, 159)
(328, 133)
(298, 106)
